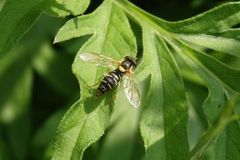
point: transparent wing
(131, 91)
(99, 60)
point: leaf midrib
(105, 35)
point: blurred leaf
(55, 68)
(44, 135)
(2, 2)
(15, 83)
(198, 3)
(19, 136)
(16, 86)
(3, 150)
(18, 16)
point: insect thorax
(127, 64)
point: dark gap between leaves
(137, 31)
(237, 26)
(93, 6)
(71, 46)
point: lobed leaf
(166, 99)
(224, 73)
(165, 119)
(216, 91)
(87, 120)
(215, 20)
(221, 44)
(78, 129)
(62, 8)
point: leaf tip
(55, 40)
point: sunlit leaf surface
(171, 57)
(164, 119)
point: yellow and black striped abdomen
(109, 81)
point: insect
(124, 70)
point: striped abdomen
(109, 81)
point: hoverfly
(123, 70)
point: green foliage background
(188, 76)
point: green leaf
(44, 135)
(62, 8)
(2, 4)
(83, 127)
(104, 25)
(87, 119)
(16, 86)
(3, 150)
(18, 135)
(166, 99)
(221, 44)
(224, 73)
(227, 145)
(231, 33)
(15, 83)
(120, 138)
(55, 69)
(215, 70)
(215, 100)
(216, 91)
(165, 105)
(18, 16)
(233, 141)
(197, 119)
(215, 20)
